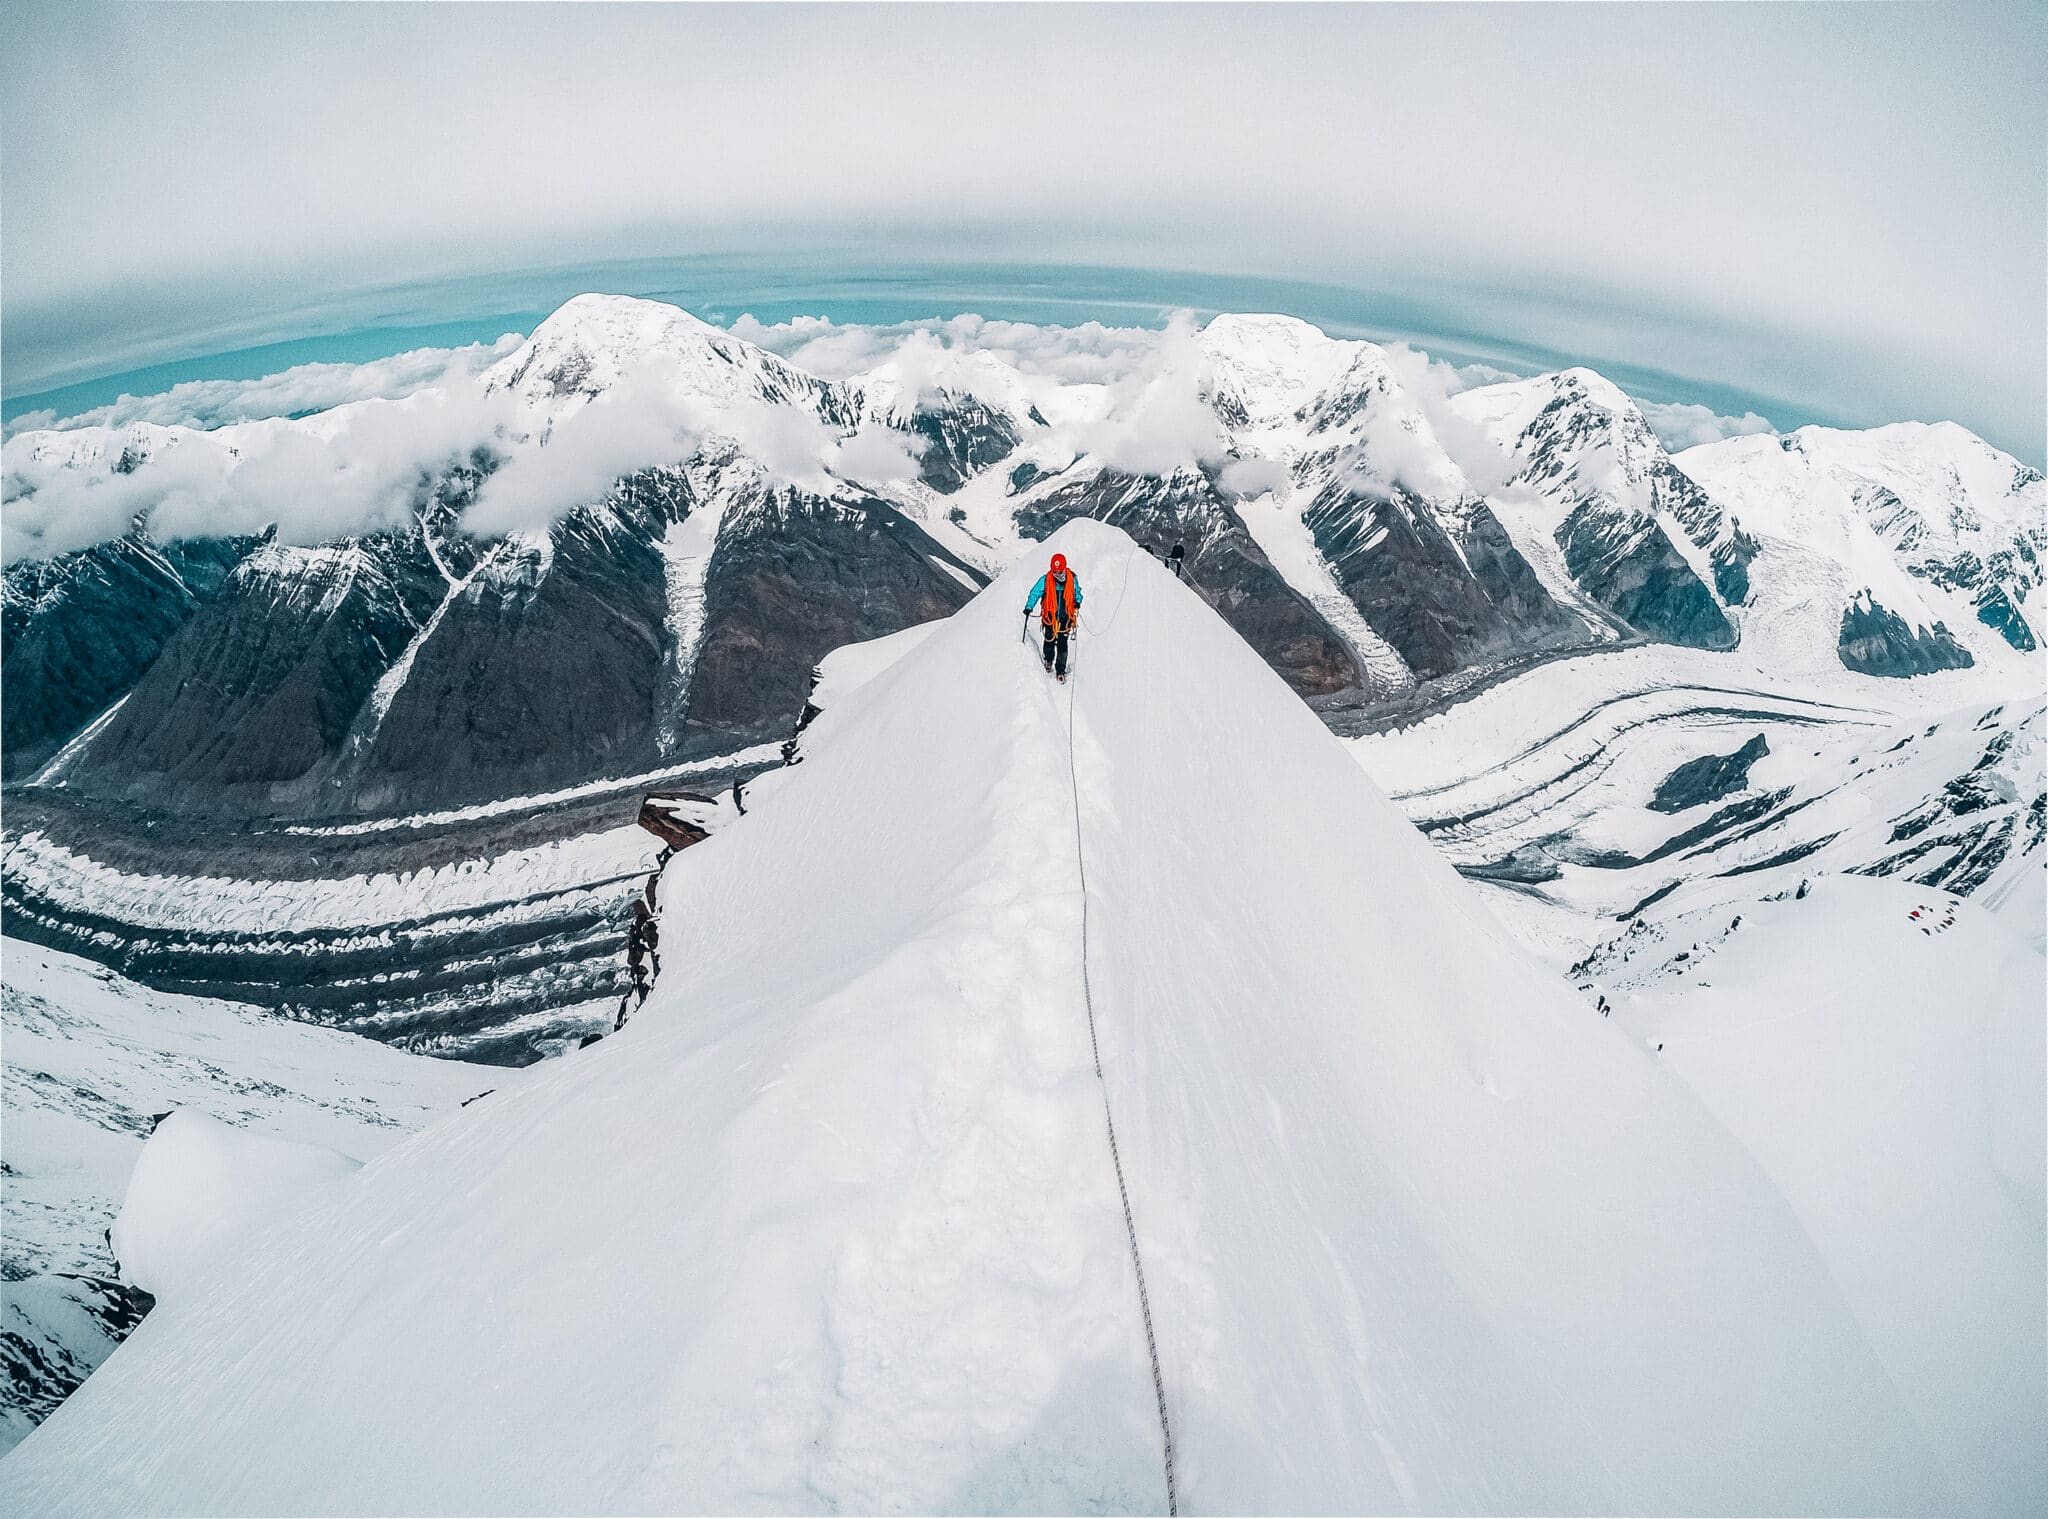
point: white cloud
(1156, 418)
(358, 468)
(1254, 475)
(823, 347)
(637, 424)
(876, 456)
(1683, 424)
(1087, 353)
(1431, 383)
(296, 391)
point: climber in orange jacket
(1056, 598)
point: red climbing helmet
(1059, 564)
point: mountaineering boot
(1048, 668)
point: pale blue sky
(1841, 206)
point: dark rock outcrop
(1627, 564)
(1731, 558)
(672, 817)
(1708, 778)
(80, 630)
(1996, 611)
(1877, 641)
(1441, 609)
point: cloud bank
(304, 388)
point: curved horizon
(360, 327)
(1823, 213)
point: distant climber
(1179, 556)
(1056, 598)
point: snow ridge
(1095, 1049)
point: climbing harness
(1108, 1117)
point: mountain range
(1381, 544)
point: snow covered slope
(835, 1223)
(1878, 1047)
(1929, 523)
(91, 1061)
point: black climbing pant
(1056, 649)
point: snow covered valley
(1060, 1098)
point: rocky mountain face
(1446, 589)
(251, 699)
(80, 631)
(961, 438)
(795, 575)
(1371, 542)
(1579, 447)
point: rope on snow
(1108, 1117)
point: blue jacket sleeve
(1077, 592)
(1037, 596)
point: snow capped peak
(591, 344)
(1941, 471)
(594, 310)
(1267, 367)
(1265, 332)
(1579, 399)
(1573, 429)
(1920, 483)
(1592, 386)
(588, 340)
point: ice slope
(832, 1224)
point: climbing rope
(1108, 1117)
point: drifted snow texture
(832, 1225)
